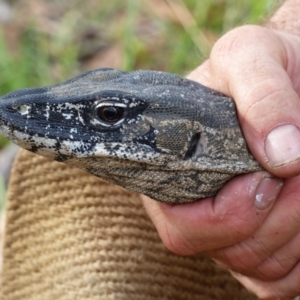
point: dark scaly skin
(167, 137)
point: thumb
(263, 79)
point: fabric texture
(70, 235)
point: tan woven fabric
(70, 235)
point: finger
(285, 288)
(201, 74)
(281, 262)
(214, 223)
(263, 78)
(277, 231)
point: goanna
(151, 132)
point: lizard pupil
(110, 113)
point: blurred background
(43, 42)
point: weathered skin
(151, 132)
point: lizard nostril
(193, 145)
(22, 109)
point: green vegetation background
(45, 42)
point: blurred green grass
(47, 42)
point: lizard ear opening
(193, 146)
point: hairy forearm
(287, 17)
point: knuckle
(268, 91)
(271, 269)
(175, 241)
(240, 38)
(240, 259)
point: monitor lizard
(151, 132)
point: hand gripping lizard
(151, 132)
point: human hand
(252, 226)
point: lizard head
(129, 127)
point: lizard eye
(110, 113)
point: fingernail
(267, 191)
(282, 145)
